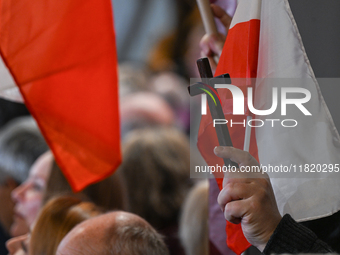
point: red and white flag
(62, 57)
(264, 43)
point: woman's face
(18, 245)
(28, 196)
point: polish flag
(61, 55)
(264, 49)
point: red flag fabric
(239, 59)
(62, 56)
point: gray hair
(193, 227)
(134, 237)
(21, 143)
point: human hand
(211, 45)
(248, 198)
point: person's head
(108, 193)
(194, 228)
(55, 220)
(112, 234)
(156, 170)
(46, 181)
(178, 50)
(28, 196)
(20, 145)
(144, 109)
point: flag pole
(247, 135)
(208, 19)
(207, 16)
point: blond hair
(55, 220)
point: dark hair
(168, 54)
(156, 170)
(108, 193)
(21, 143)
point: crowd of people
(149, 206)
(134, 211)
(144, 205)
(137, 209)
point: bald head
(113, 233)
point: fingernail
(218, 149)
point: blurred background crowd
(38, 206)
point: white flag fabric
(8, 89)
(314, 140)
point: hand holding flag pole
(208, 20)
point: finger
(221, 15)
(234, 191)
(212, 44)
(203, 55)
(235, 210)
(204, 45)
(216, 43)
(235, 178)
(239, 156)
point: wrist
(269, 233)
